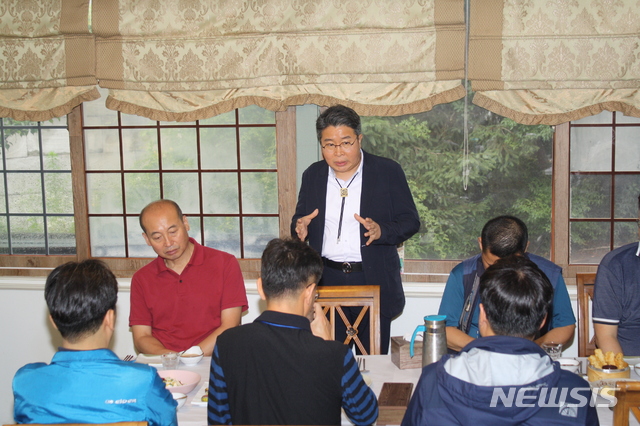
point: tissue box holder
(400, 353)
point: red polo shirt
(184, 309)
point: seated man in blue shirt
(501, 237)
(284, 368)
(86, 382)
(504, 378)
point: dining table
(379, 369)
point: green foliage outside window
(509, 173)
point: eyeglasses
(344, 145)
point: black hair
(516, 296)
(503, 236)
(79, 295)
(288, 266)
(338, 115)
(171, 202)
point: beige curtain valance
(535, 61)
(47, 59)
(550, 62)
(190, 60)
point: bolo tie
(344, 193)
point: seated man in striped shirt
(284, 368)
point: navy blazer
(386, 199)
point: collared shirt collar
(197, 257)
(280, 319)
(480, 266)
(638, 251)
(66, 355)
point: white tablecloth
(381, 370)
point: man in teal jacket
(86, 382)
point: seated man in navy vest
(501, 237)
(284, 369)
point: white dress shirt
(348, 248)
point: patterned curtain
(47, 61)
(173, 60)
(552, 61)
(535, 61)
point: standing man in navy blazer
(355, 208)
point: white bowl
(189, 380)
(180, 398)
(192, 356)
(569, 364)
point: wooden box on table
(392, 402)
(400, 353)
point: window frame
(125, 267)
(416, 271)
(614, 126)
(42, 172)
(561, 206)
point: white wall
(26, 335)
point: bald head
(156, 205)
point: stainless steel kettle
(434, 342)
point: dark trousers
(332, 276)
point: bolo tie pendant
(344, 193)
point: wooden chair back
(628, 395)
(333, 298)
(90, 424)
(585, 283)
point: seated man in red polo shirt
(189, 294)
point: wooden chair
(333, 298)
(90, 424)
(628, 395)
(585, 282)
